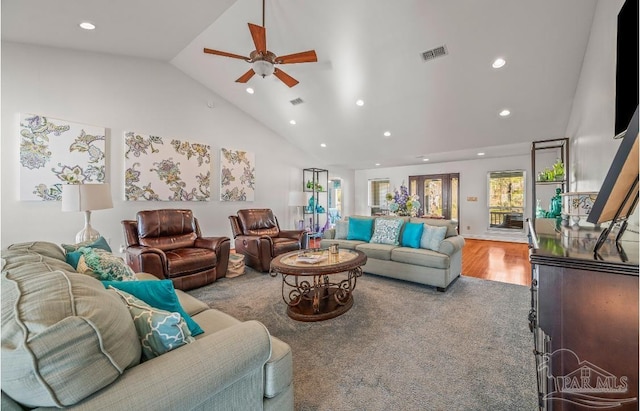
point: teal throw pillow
(342, 229)
(432, 236)
(159, 331)
(387, 231)
(73, 258)
(412, 234)
(104, 265)
(360, 229)
(99, 243)
(159, 294)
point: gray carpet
(402, 346)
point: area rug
(402, 346)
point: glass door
(439, 194)
(432, 197)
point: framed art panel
(54, 152)
(162, 169)
(237, 175)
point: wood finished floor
(495, 260)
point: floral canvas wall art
(54, 152)
(162, 169)
(237, 175)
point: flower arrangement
(403, 204)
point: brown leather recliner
(169, 245)
(259, 238)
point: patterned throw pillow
(432, 236)
(387, 231)
(342, 229)
(159, 331)
(412, 234)
(104, 266)
(73, 255)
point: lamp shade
(297, 199)
(83, 197)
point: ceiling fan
(263, 61)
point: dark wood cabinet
(584, 318)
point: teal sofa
(419, 265)
(67, 342)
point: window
(378, 190)
(506, 199)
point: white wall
(591, 124)
(592, 121)
(130, 94)
(473, 183)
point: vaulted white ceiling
(443, 109)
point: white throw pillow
(432, 236)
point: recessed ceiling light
(292, 122)
(499, 62)
(387, 134)
(87, 26)
(250, 90)
(377, 164)
(425, 159)
(323, 145)
(480, 154)
(504, 113)
(360, 103)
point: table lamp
(86, 197)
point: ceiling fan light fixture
(263, 68)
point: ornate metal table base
(321, 300)
(316, 289)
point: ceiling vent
(434, 53)
(296, 101)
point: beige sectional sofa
(67, 342)
(434, 268)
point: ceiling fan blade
(302, 57)
(246, 76)
(259, 35)
(225, 54)
(285, 78)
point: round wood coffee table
(316, 289)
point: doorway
(439, 195)
(335, 200)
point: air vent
(434, 53)
(296, 101)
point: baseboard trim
(497, 237)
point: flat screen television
(626, 66)
(618, 195)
